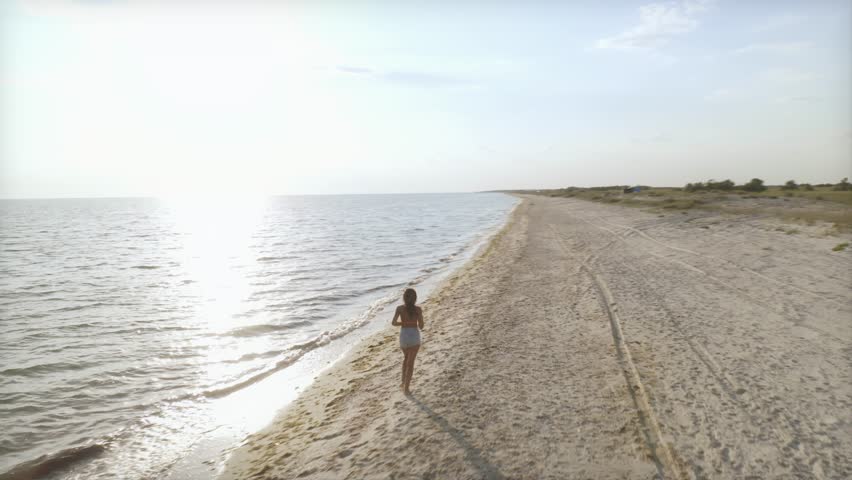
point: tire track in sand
(740, 396)
(737, 290)
(660, 452)
(730, 262)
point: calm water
(123, 320)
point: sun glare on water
(215, 251)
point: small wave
(380, 288)
(78, 326)
(146, 267)
(299, 350)
(325, 298)
(254, 356)
(77, 307)
(43, 368)
(280, 365)
(276, 259)
(48, 464)
(47, 292)
(265, 328)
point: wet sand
(599, 341)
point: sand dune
(597, 341)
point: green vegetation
(681, 204)
(843, 186)
(840, 247)
(755, 185)
(724, 186)
(651, 196)
(820, 203)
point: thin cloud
(781, 48)
(422, 79)
(354, 70)
(653, 139)
(777, 22)
(787, 76)
(720, 94)
(799, 99)
(658, 23)
(409, 78)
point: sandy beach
(599, 341)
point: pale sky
(127, 98)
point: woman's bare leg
(411, 355)
(405, 351)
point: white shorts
(409, 337)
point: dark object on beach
(632, 190)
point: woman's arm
(420, 318)
(396, 314)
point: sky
(140, 98)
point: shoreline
(597, 341)
(298, 378)
(213, 419)
(337, 380)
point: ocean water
(127, 324)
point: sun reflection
(215, 251)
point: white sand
(598, 341)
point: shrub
(724, 185)
(790, 185)
(843, 186)
(694, 187)
(807, 186)
(840, 247)
(755, 185)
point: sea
(147, 337)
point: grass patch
(840, 247)
(772, 201)
(792, 231)
(681, 204)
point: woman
(411, 320)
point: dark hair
(410, 298)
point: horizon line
(242, 194)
